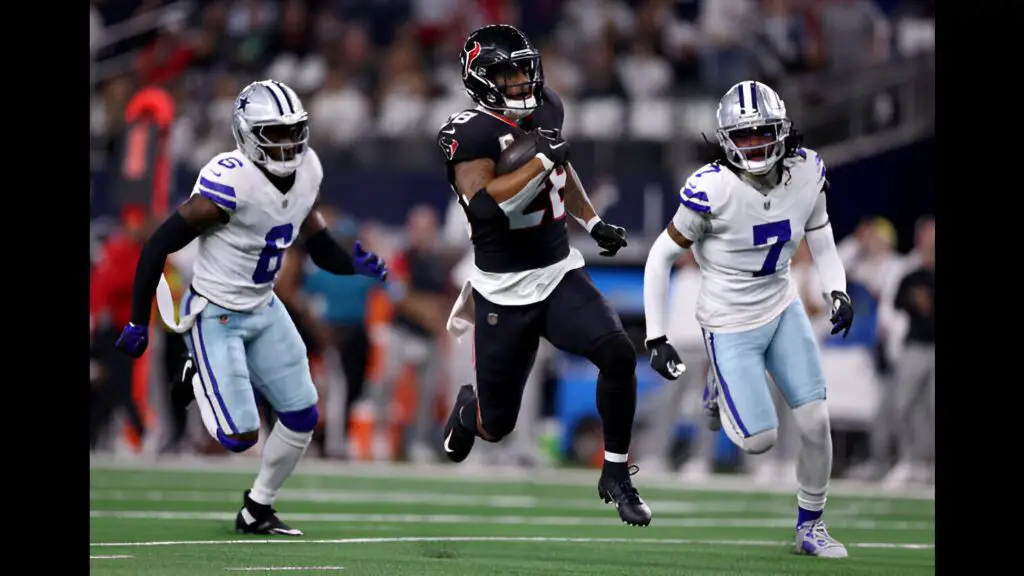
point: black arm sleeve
(173, 235)
(328, 255)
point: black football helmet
(501, 71)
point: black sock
(616, 403)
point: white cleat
(813, 539)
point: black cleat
(620, 491)
(458, 441)
(182, 392)
(256, 518)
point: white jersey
(237, 263)
(744, 239)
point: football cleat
(458, 441)
(813, 539)
(620, 491)
(256, 518)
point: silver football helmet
(271, 126)
(752, 127)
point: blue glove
(369, 264)
(133, 340)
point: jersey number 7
(782, 233)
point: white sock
(616, 458)
(281, 454)
(814, 460)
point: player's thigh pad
(794, 359)
(505, 340)
(577, 318)
(216, 344)
(278, 361)
(744, 399)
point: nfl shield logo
(284, 204)
(224, 319)
(492, 318)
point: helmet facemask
(515, 85)
(755, 148)
(278, 147)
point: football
(519, 152)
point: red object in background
(155, 105)
(164, 60)
(110, 293)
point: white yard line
(787, 522)
(111, 557)
(679, 506)
(498, 474)
(539, 539)
(284, 568)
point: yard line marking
(113, 557)
(511, 520)
(283, 568)
(498, 501)
(545, 539)
(490, 474)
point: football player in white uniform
(744, 216)
(247, 207)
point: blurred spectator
(808, 285)
(684, 395)
(403, 89)
(338, 305)
(418, 286)
(785, 45)
(110, 296)
(869, 254)
(560, 73)
(343, 113)
(915, 372)
(727, 26)
(645, 74)
(600, 77)
(166, 59)
(856, 34)
(295, 62)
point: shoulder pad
(313, 159)
(704, 190)
(220, 179)
(810, 162)
(462, 137)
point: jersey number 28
(549, 205)
(269, 263)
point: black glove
(551, 144)
(609, 237)
(842, 313)
(664, 358)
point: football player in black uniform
(527, 282)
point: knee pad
(813, 422)
(615, 357)
(300, 420)
(232, 444)
(759, 443)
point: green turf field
(432, 521)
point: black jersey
(535, 236)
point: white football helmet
(752, 127)
(271, 126)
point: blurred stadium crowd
(384, 364)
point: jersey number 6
(270, 257)
(782, 233)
